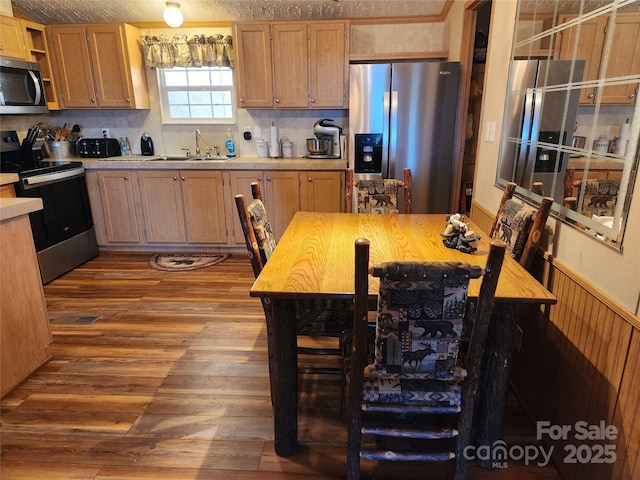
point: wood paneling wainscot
(579, 361)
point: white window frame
(164, 105)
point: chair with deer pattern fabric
(379, 195)
(416, 374)
(520, 226)
(314, 319)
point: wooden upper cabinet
(38, 50)
(329, 65)
(290, 64)
(11, 38)
(73, 65)
(253, 74)
(100, 66)
(624, 59)
(624, 55)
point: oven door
(66, 212)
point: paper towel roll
(274, 146)
(623, 138)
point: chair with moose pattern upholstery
(520, 226)
(380, 195)
(314, 319)
(415, 374)
(599, 196)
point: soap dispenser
(146, 145)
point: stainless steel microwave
(21, 87)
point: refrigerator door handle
(393, 134)
(535, 134)
(385, 134)
(526, 138)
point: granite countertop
(240, 163)
(14, 207)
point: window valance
(200, 50)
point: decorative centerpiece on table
(457, 234)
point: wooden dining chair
(520, 226)
(599, 196)
(314, 319)
(380, 195)
(398, 406)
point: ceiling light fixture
(172, 14)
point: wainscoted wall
(579, 361)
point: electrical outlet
(105, 132)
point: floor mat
(182, 262)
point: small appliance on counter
(146, 145)
(99, 147)
(328, 141)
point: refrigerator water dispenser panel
(368, 153)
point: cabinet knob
(259, 179)
(310, 179)
(593, 93)
(126, 178)
(128, 100)
(268, 179)
(242, 100)
(93, 100)
(175, 178)
(1, 48)
(183, 179)
(277, 100)
(312, 100)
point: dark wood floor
(171, 382)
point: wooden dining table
(314, 259)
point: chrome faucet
(198, 140)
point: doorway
(473, 115)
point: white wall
(615, 273)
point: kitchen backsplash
(296, 125)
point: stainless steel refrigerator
(540, 118)
(403, 115)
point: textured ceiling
(137, 11)
(150, 11)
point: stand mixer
(322, 129)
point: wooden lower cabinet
(322, 191)
(281, 193)
(24, 322)
(197, 207)
(286, 192)
(204, 208)
(183, 206)
(115, 206)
